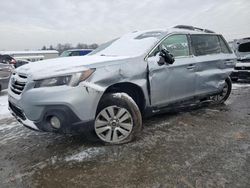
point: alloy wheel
(113, 124)
(222, 95)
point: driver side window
(177, 45)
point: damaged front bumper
(20, 117)
(73, 106)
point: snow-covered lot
(4, 105)
(207, 146)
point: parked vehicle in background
(106, 92)
(21, 63)
(76, 52)
(5, 73)
(241, 48)
(7, 59)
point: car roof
(5, 55)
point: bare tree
(67, 46)
(51, 47)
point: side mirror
(161, 61)
(165, 57)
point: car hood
(64, 65)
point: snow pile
(7, 127)
(4, 112)
(85, 154)
(238, 85)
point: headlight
(69, 80)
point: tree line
(67, 46)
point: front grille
(242, 68)
(18, 83)
(18, 112)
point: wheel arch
(133, 90)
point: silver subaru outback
(106, 93)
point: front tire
(223, 96)
(118, 119)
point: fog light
(55, 122)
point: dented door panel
(212, 71)
(170, 83)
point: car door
(172, 83)
(213, 61)
(5, 71)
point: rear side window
(224, 47)
(205, 44)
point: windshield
(133, 44)
(244, 52)
(245, 47)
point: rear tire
(118, 119)
(223, 96)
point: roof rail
(193, 28)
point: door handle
(228, 62)
(191, 66)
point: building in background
(32, 55)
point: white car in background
(241, 47)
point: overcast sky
(30, 24)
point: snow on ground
(240, 85)
(10, 133)
(6, 127)
(85, 154)
(4, 112)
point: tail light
(13, 62)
